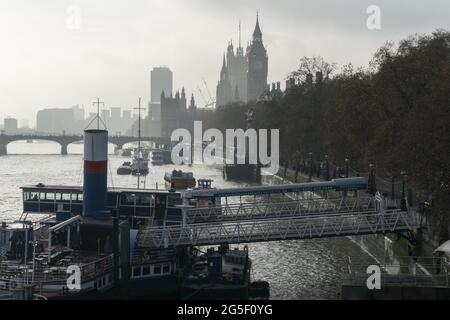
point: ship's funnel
(95, 173)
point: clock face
(258, 65)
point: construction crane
(203, 97)
(210, 102)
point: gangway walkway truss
(286, 219)
(331, 225)
(281, 209)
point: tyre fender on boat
(229, 276)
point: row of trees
(395, 114)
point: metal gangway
(301, 207)
(258, 230)
(281, 217)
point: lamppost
(297, 164)
(327, 176)
(372, 186)
(393, 187)
(310, 167)
(346, 167)
(403, 206)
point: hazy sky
(46, 61)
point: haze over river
(307, 269)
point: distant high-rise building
(161, 79)
(24, 124)
(105, 114)
(126, 115)
(78, 112)
(56, 121)
(115, 120)
(115, 113)
(79, 118)
(10, 125)
(243, 77)
(154, 119)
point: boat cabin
(157, 204)
(13, 237)
(162, 206)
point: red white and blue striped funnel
(95, 172)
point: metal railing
(401, 271)
(279, 209)
(13, 276)
(291, 228)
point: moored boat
(178, 179)
(157, 157)
(125, 168)
(127, 152)
(139, 167)
(218, 274)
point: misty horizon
(45, 64)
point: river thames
(306, 269)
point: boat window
(136, 271)
(80, 197)
(3, 237)
(66, 196)
(127, 199)
(50, 196)
(174, 200)
(74, 196)
(166, 268)
(34, 196)
(157, 269)
(144, 200)
(58, 196)
(145, 270)
(42, 195)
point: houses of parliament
(243, 76)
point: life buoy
(85, 273)
(229, 276)
(145, 257)
(12, 284)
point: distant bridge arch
(120, 141)
(65, 140)
(62, 140)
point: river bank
(379, 247)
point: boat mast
(98, 102)
(139, 126)
(139, 144)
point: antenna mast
(98, 102)
(239, 33)
(139, 126)
(139, 140)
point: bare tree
(311, 65)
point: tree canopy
(395, 114)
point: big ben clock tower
(257, 65)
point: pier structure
(400, 278)
(341, 207)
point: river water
(306, 269)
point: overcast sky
(47, 61)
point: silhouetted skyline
(47, 62)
